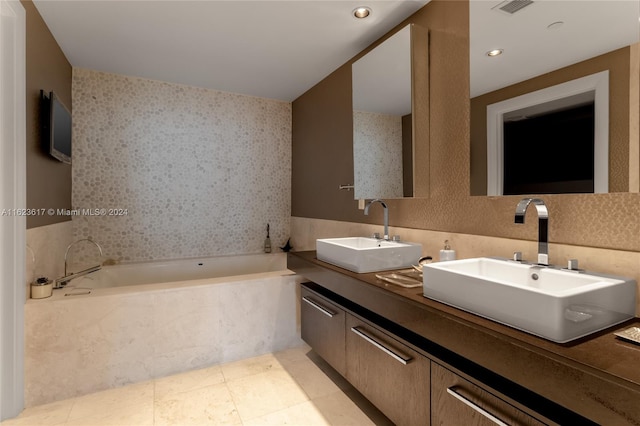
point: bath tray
(407, 279)
(630, 334)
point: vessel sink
(361, 254)
(556, 304)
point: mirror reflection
(546, 44)
(382, 134)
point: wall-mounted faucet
(386, 215)
(543, 226)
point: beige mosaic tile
(195, 172)
(377, 155)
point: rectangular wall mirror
(387, 140)
(543, 51)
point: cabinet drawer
(456, 401)
(391, 375)
(322, 327)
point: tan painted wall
(48, 180)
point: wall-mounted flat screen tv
(56, 127)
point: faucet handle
(395, 238)
(376, 235)
(572, 265)
(517, 256)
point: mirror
(384, 133)
(546, 45)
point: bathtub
(134, 322)
(181, 270)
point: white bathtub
(181, 270)
(147, 320)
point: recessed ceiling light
(495, 52)
(361, 12)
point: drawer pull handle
(400, 358)
(319, 307)
(452, 391)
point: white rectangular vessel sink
(558, 305)
(361, 254)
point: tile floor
(292, 387)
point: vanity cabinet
(323, 328)
(409, 387)
(456, 401)
(391, 375)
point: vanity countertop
(597, 376)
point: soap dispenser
(447, 253)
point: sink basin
(558, 305)
(360, 254)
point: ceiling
(589, 28)
(263, 48)
(280, 49)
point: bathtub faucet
(61, 282)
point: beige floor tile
(22, 421)
(264, 393)
(301, 414)
(298, 353)
(338, 409)
(247, 367)
(55, 413)
(329, 371)
(131, 415)
(311, 378)
(292, 387)
(211, 405)
(108, 401)
(170, 386)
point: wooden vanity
(423, 362)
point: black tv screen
(56, 127)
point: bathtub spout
(61, 282)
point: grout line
(153, 410)
(235, 406)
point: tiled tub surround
(200, 172)
(81, 344)
(305, 231)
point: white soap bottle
(447, 253)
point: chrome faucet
(61, 282)
(543, 226)
(386, 215)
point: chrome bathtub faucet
(386, 215)
(61, 282)
(543, 226)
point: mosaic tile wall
(195, 172)
(377, 155)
